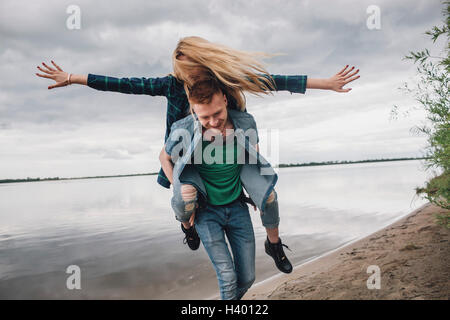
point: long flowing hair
(238, 71)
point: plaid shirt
(173, 90)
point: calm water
(122, 233)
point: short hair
(203, 91)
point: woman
(218, 170)
(194, 58)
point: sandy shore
(413, 256)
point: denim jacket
(257, 175)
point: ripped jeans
(185, 200)
(235, 270)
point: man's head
(209, 102)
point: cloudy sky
(78, 131)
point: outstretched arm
(150, 86)
(299, 84)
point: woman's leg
(184, 202)
(271, 218)
(273, 245)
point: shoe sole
(195, 248)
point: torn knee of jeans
(272, 197)
(189, 206)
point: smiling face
(212, 115)
(209, 102)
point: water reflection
(123, 235)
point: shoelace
(189, 235)
(279, 251)
(185, 240)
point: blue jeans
(236, 269)
(270, 218)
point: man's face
(214, 114)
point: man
(208, 179)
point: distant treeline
(28, 179)
(284, 165)
(281, 165)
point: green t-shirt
(222, 180)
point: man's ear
(225, 99)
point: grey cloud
(5, 125)
(136, 40)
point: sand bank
(412, 254)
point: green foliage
(432, 92)
(437, 190)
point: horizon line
(281, 166)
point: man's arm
(166, 164)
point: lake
(122, 233)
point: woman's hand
(341, 78)
(58, 75)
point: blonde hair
(238, 71)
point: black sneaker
(275, 250)
(191, 238)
